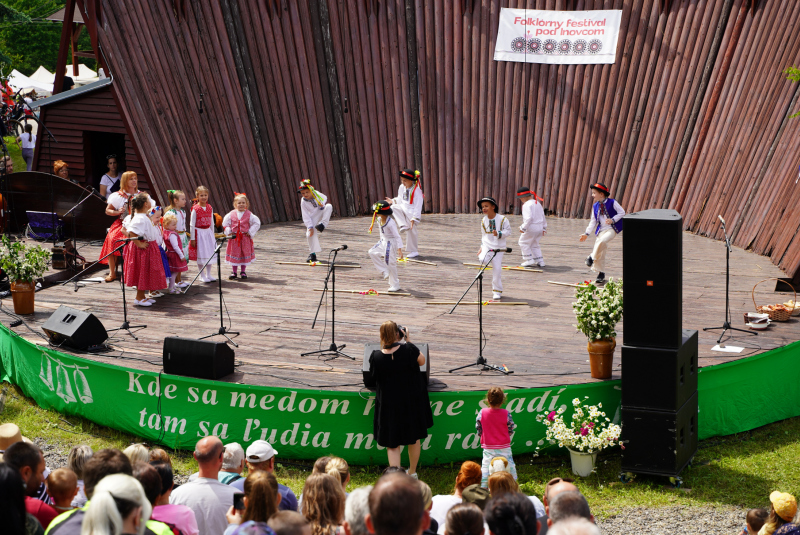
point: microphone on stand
(342, 248)
(723, 221)
(126, 240)
(506, 250)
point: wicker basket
(774, 315)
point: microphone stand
(726, 325)
(333, 350)
(125, 325)
(481, 359)
(222, 330)
(74, 232)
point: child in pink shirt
(495, 427)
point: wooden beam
(413, 81)
(64, 46)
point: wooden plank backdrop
(693, 115)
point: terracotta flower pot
(601, 357)
(22, 293)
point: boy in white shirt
(533, 227)
(316, 215)
(495, 228)
(606, 223)
(407, 208)
(384, 254)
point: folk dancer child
(407, 208)
(177, 200)
(495, 228)
(495, 427)
(316, 216)
(242, 225)
(175, 255)
(533, 227)
(202, 243)
(606, 223)
(143, 266)
(385, 253)
(155, 218)
(118, 207)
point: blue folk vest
(609, 204)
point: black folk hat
(602, 188)
(488, 199)
(409, 174)
(382, 208)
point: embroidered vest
(609, 211)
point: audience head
(78, 457)
(574, 526)
(389, 334)
(7, 165)
(261, 456)
(208, 453)
(495, 397)
(782, 510)
(12, 500)
(233, 457)
(119, 505)
(356, 509)
(166, 476)
(502, 482)
(395, 506)
(556, 485)
(320, 465)
(104, 463)
(261, 497)
(10, 434)
(394, 470)
(338, 468)
(137, 453)
(427, 496)
(27, 458)
(464, 518)
(755, 519)
(568, 504)
(150, 480)
(323, 503)
(289, 523)
(475, 494)
(62, 486)
(157, 455)
(469, 474)
(511, 513)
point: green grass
(739, 470)
(15, 151)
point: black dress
(402, 409)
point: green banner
(303, 424)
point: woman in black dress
(402, 409)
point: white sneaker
(528, 263)
(394, 289)
(143, 302)
(541, 264)
(496, 296)
(412, 255)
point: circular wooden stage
(274, 308)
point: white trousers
(497, 269)
(385, 259)
(411, 233)
(529, 244)
(599, 251)
(320, 216)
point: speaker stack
(76, 329)
(659, 358)
(203, 359)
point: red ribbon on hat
(601, 187)
(521, 193)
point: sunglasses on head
(557, 480)
(111, 156)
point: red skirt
(144, 267)
(176, 264)
(111, 243)
(240, 251)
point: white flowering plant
(589, 431)
(598, 309)
(23, 262)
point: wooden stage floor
(275, 306)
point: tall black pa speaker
(652, 260)
(203, 359)
(74, 328)
(659, 379)
(369, 381)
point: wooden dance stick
(507, 303)
(315, 264)
(513, 268)
(420, 261)
(362, 292)
(564, 284)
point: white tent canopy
(85, 75)
(43, 75)
(18, 81)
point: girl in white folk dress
(177, 201)
(143, 266)
(202, 243)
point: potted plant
(589, 432)
(23, 264)
(598, 310)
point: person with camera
(402, 409)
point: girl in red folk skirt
(174, 245)
(241, 224)
(118, 207)
(143, 266)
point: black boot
(311, 258)
(589, 261)
(601, 278)
(320, 227)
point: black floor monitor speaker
(659, 379)
(659, 442)
(203, 359)
(652, 268)
(369, 382)
(74, 328)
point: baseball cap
(785, 505)
(475, 494)
(260, 451)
